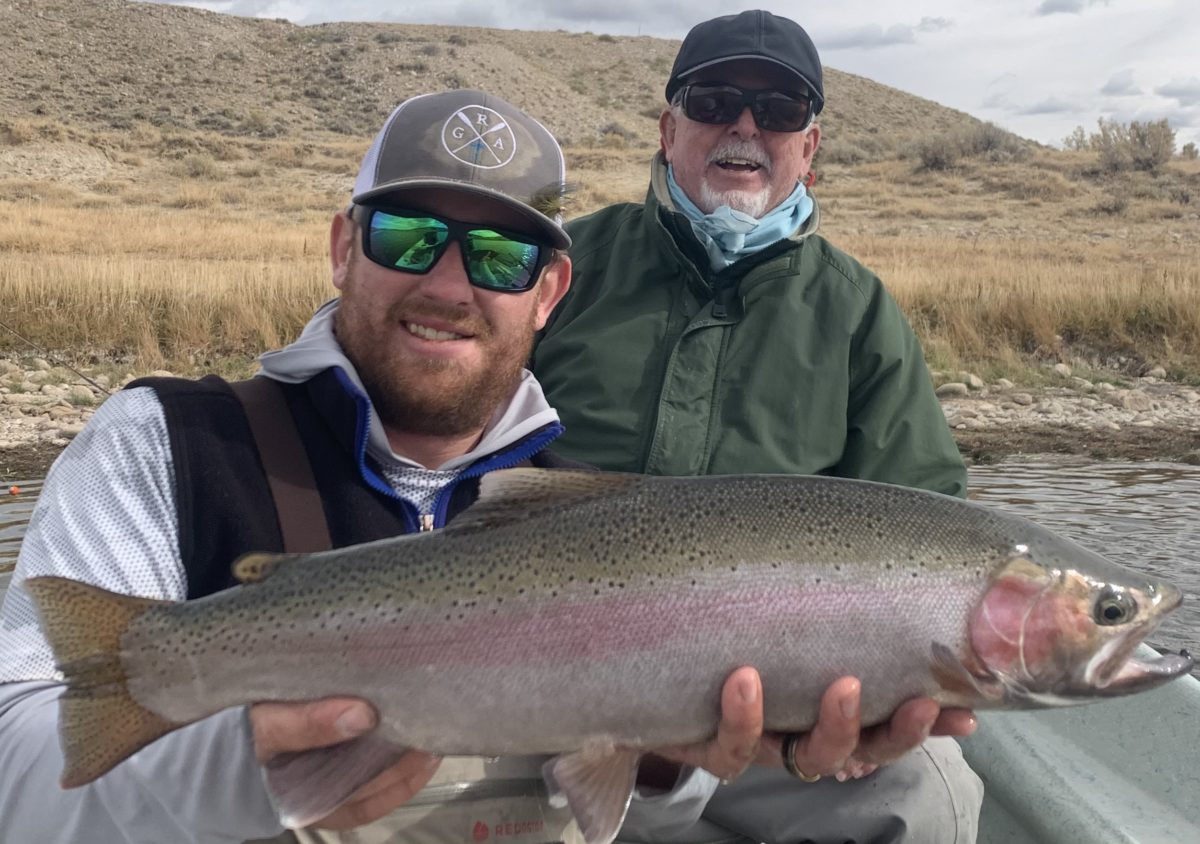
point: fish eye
(1113, 607)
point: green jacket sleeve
(895, 429)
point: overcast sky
(1037, 67)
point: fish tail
(100, 723)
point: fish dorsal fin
(254, 568)
(509, 495)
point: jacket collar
(339, 394)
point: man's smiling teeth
(739, 162)
(427, 333)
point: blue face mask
(729, 235)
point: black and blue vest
(222, 495)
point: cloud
(1073, 7)
(1186, 91)
(1185, 118)
(934, 24)
(1051, 105)
(621, 11)
(1121, 85)
(998, 100)
(870, 37)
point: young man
(402, 392)
(711, 330)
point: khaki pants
(469, 801)
(931, 796)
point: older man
(711, 330)
(377, 421)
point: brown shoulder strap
(297, 503)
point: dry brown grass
(997, 303)
(189, 250)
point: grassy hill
(110, 64)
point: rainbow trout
(589, 615)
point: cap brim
(553, 231)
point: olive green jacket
(792, 360)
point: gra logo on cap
(479, 136)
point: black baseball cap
(471, 142)
(750, 35)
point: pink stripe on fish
(576, 628)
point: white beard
(753, 203)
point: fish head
(1058, 625)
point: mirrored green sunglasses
(414, 241)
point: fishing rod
(47, 354)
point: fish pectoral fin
(509, 495)
(597, 788)
(954, 677)
(254, 568)
(307, 785)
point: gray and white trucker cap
(471, 142)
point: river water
(1142, 515)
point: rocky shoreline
(43, 407)
(1151, 419)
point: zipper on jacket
(523, 451)
(534, 443)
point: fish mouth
(1115, 670)
(1134, 674)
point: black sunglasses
(773, 110)
(414, 241)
